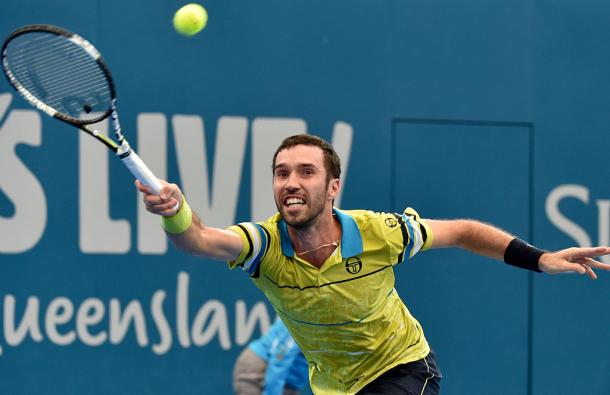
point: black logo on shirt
(353, 265)
(391, 222)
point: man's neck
(318, 241)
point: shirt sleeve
(407, 234)
(256, 243)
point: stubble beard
(308, 218)
(306, 222)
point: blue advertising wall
(495, 110)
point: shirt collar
(351, 239)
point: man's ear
(333, 188)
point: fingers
(167, 188)
(583, 265)
(590, 252)
(586, 269)
(589, 264)
(170, 190)
(563, 262)
(142, 188)
(580, 260)
(166, 203)
(590, 272)
(158, 205)
(593, 263)
(576, 268)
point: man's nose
(292, 183)
(291, 189)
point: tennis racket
(64, 76)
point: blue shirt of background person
(286, 364)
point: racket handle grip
(138, 168)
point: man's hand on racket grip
(578, 260)
(167, 203)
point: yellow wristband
(180, 221)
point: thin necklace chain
(334, 243)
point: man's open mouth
(294, 201)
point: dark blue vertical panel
(474, 310)
(571, 314)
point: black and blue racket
(64, 76)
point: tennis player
(329, 273)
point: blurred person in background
(271, 365)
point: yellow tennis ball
(190, 19)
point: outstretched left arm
(487, 240)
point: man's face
(299, 185)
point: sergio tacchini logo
(353, 265)
(391, 222)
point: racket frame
(122, 149)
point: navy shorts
(421, 377)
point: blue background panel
(487, 109)
(471, 309)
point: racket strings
(61, 66)
(60, 73)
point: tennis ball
(190, 19)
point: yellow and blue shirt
(346, 316)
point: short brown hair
(332, 163)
